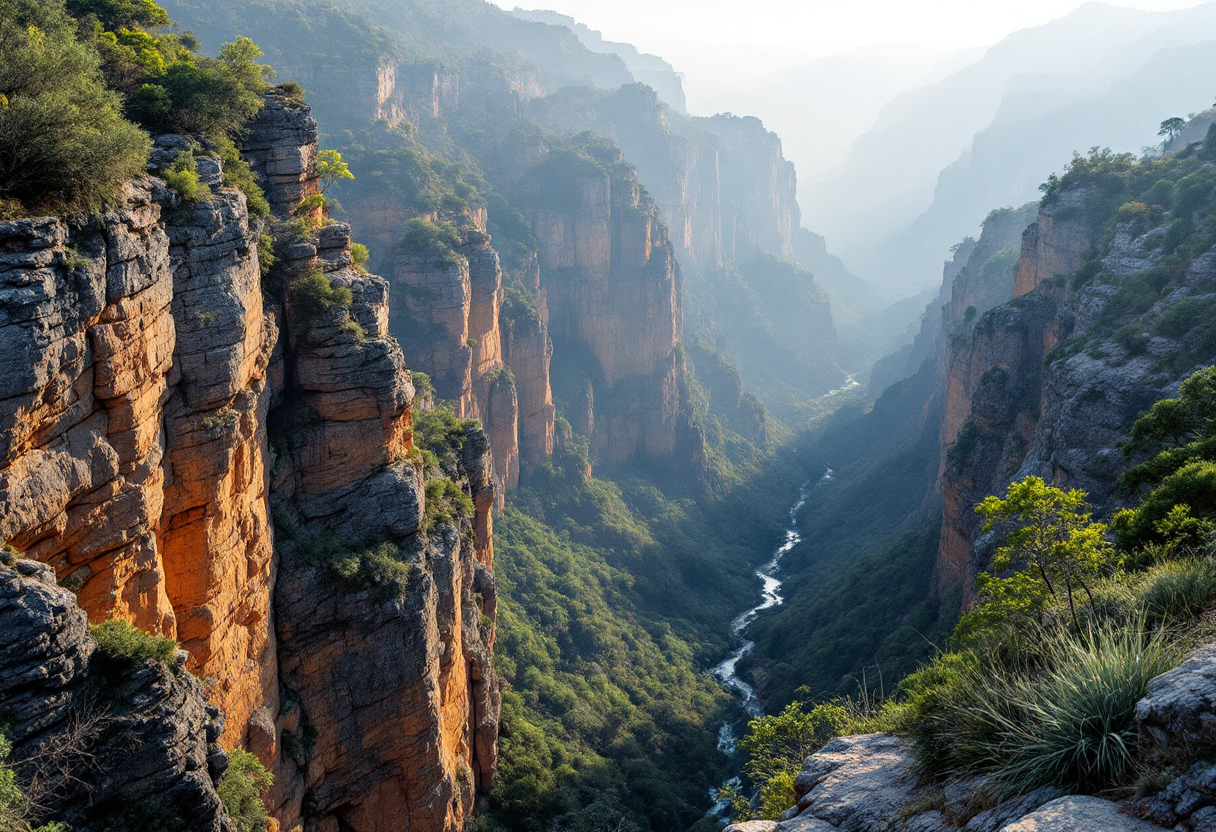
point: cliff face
(92, 749)
(157, 402)
(1020, 406)
(609, 274)
(447, 319)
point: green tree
(1170, 128)
(1179, 437)
(776, 746)
(1051, 536)
(241, 791)
(64, 145)
(331, 169)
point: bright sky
(766, 35)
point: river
(770, 596)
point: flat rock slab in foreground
(1078, 813)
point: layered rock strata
(1018, 406)
(93, 749)
(156, 402)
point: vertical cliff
(161, 395)
(1050, 383)
(612, 288)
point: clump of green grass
(1063, 716)
(122, 648)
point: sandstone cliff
(159, 397)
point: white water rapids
(770, 596)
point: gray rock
(1179, 710)
(858, 784)
(1079, 813)
(144, 739)
(752, 826)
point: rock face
(1018, 406)
(447, 319)
(612, 284)
(156, 403)
(134, 747)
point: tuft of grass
(122, 648)
(1063, 716)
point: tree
(777, 745)
(331, 168)
(64, 145)
(1050, 536)
(1170, 128)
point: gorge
(392, 443)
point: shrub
(437, 240)
(315, 294)
(1062, 715)
(123, 648)
(381, 567)
(291, 90)
(446, 503)
(122, 642)
(266, 258)
(359, 255)
(441, 432)
(238, 174)
(63, 144)
(241, 791)
(182, 176)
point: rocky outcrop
(93, 747)
(156, 403)
(1046, 386)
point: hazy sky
(703, 37)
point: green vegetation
(331, 169)
(123, 648)
(1052, 547)
(441, 433)
(359, 255)
(434, 240)
(607, 714)
(182, 176)
(67, 78)
(1039, 683)
(1176, 442)
(447, 504)
(241, 791)
(314, 293)
(64, 145)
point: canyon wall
(161, 396)
(1045, 385)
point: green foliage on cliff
(314, 293)
(125, 645)
(1176, 443)
(64, 145)
(435, 240)
(241, 791)
(440, 432)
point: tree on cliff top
(64, 145)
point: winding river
(770, 596)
